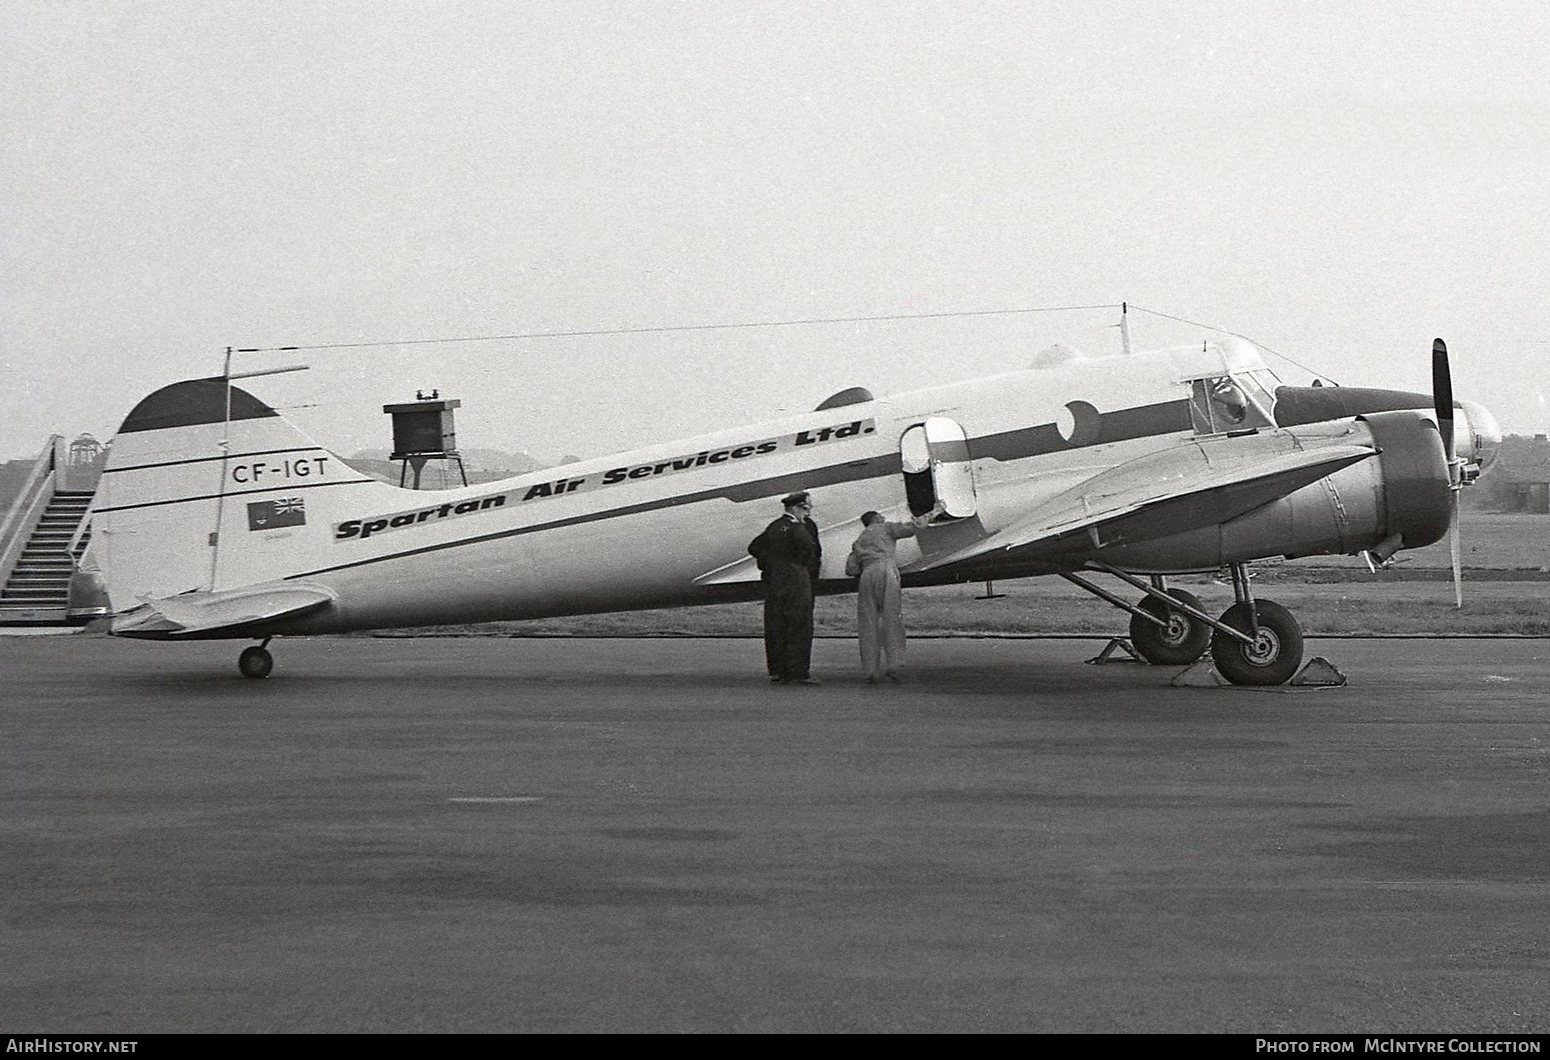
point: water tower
(422, 431)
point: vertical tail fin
(208, 488)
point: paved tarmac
(643, 835)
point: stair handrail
(31, 502)
(75, 540)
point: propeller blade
(1442, 395)
(1455, 551)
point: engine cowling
(1414, 474)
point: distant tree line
(1522, 458)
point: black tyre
(255, 662)
(1275, 654)
(1183, 640)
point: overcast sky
(1340, 181)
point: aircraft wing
(201, 614)
(1161, 494)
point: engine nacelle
(1398, 499)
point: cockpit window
(1229, 403)
(1259, 387)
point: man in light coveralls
(879, 601)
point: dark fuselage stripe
(1123, 425)
(233, 493)
(211, 459)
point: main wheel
(255, 662)
(1275, 654)
(1179, 643)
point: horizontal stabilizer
(204, 614)
(1162, 494)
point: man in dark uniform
(788, 553)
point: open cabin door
(935, 457)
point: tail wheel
(1178, 643)
(255, 662)
(1271, 659)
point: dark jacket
(785, 549)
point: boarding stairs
(45, 534)
(38, 590)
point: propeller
(1442, 397)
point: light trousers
(880, 618)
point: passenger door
(936, 465)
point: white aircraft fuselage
(217, 523)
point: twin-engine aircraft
(216, 518)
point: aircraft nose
(1478, 437)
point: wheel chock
(1319, 672)
(1117, 644)
(1203, 674)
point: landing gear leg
(1160, 631)
(256, 662)
(1270, 648)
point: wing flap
(203, 614)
